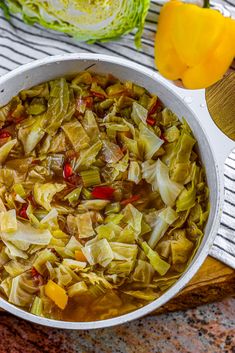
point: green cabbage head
(86, 20)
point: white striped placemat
(20, 44)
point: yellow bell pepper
(57, 294)
(194, 44)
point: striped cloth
(20, 44)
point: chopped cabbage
(150, 140)
(164, 219)
(99, 252)
(103, 198)
(169, 190)
(122, 251)
(84, 225)
(76, 134)
(6, 149)
(31, 132)
(158, 264)
(44, 193)
(8, 221)
(133, 218)
(143, 272)
(139, 113)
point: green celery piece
(90, 177)
(37, 307)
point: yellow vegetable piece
(57, 294)
(193, 44)
(79, 256)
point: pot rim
(194, 266)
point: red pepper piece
(98, 95)
(151, 121)
(103, 192)
(18, 120)
(37, 277)
(88, 101)
(34, 272)
(30, 198)
(4, 134)
(154, 107)
(84, 101)
(68, 170)
(22, 211)
(130, 200)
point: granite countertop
(209, 328)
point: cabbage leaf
(99, 252)
(164, 219)
(44, 193)
(169, 190)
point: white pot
(213, 147)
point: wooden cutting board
(212, 282)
